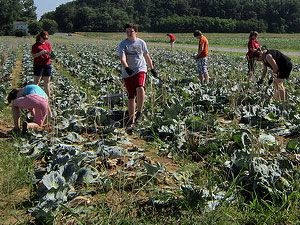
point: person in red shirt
(172, 40)
(253, 46)
(41, 52)
(202, 56)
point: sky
(43, 6)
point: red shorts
(133, 82)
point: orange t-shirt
(203, 42)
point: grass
(15, 184)
(288, 42)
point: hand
(154, 73)
(52, 55)
(129, 71)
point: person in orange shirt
(202, 56)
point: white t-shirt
(134, 52)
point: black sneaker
(14, 131)
(138, 117)
(24, 127)
(129, 128)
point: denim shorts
(42, 70)
(202, 66)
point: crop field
(222, 153)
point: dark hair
(42, 34)
(132, 26)
(12, 95)
(253, 33)
(197, 33)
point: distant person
(134, 56)
(202, 57)
(41, 52)
(172, 40)
(253, 46)
(281, 66)
(32, 98)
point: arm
(148, 60)
(40, 53)
(36, 52)
(272, 62)
(123, 60)
(264, 71)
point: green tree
(49, 25)
(35, 27)
(14, 10)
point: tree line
(276, 16)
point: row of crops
(231, 127)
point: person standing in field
(202, 57)
(281, 66)
(253, 46)
(134, 57)
(32, 98)
(41, 52)
(172, 40)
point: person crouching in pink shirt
(34, 99)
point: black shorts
(285, 71)
(44, 70)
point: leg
(201, 78)
(46, 80)
(207, 78)
(37, 80)
(16, 116)
(131, 109)
(250, 67)
(140, 99)
(172, 45)
(281, 92)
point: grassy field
(288, 42)
(189, 190)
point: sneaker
(24, 127)
(129, 128)
(138, 117)
(14, 131)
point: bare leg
(140, 98)
(33, 125)
(131, 108)
(47, 85)
(37, 80)
(281, 90)
(16, 117)
(206, 78)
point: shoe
(129, 128)
(24, 127)
(14, 131)
(138, 117)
